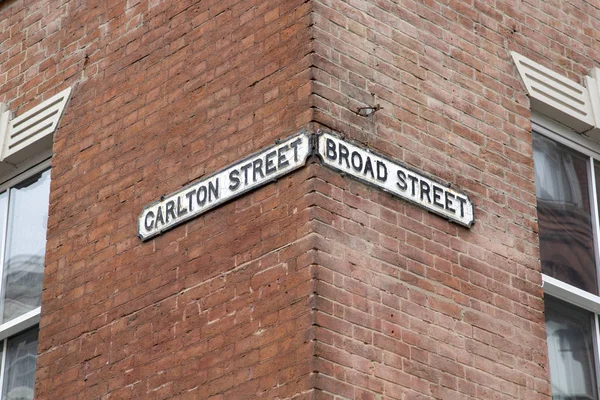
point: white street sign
(394, 178)
(252, 172)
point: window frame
(5, 341)
(555, 287)
(15, 326)
(30, 318)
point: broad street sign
(252, 172)
(392, 177)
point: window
(564, 213)
(23, 221)
(25, 151)
(570, 350)
(567, 180)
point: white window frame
(555, 287)
(31, 318)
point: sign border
(310, 152)
(321, 132)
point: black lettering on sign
(159, 216)
(180, 211)
(357, 161)
(150, 225)
(425, 190)
(282, 162)
(257, 167)
(401, 180)
(294, 146)
(245, 169)
(369, 167)
(382, 171)
(449, 201)
(170, 210)
(462, 205)
(213, 190)
(235, 180)
(269, 163)
(413, 182)
(344, 153)
(190, 196)
(437, 195)
(201, 195)
(330, 149)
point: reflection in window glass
(3, 205)
(25, 245)
(19, 375)
(570, 351)
(563, 205)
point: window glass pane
(565, 223)
(25, 245)
(570, 351)
(597, 178)
(3, 205)
(19, 374)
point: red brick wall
(410, 306)
(165, 93)
(317, 285)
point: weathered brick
(316, 285)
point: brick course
(315, 286)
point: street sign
(248, 174)
(394, 178)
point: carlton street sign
(394, 178)
(252, 172)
